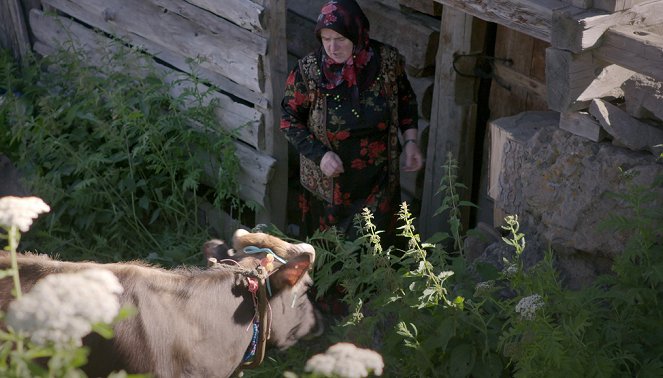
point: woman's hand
(331, 164)
(413, 158)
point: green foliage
(433, 314)
(119, 158)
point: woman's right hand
(331, 164)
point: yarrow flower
(21, 211)
(510, 270)
(483, 287)
(347, 361)
(528, 306)
(61, 308)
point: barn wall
(238, 50)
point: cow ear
(216, 249)
(289, 274)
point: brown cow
(193, 322)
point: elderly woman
(343, 109)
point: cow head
(293, 314)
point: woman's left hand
(413, 158)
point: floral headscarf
(346, 18)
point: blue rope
(253, 249)
(251, 350)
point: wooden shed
(474, 62)
(470, 62)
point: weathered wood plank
(574, 80)
(274, 211)
(169, 32)
(429, 7)
(221, 223)
(418, 40)
(636, 48)
(13, 29)
(256, 170)
(300, 37)
(584, 4)
(244, 13)
(453, 117)
(216, 24)
(526, 56)
(246, 122)
(577, 29)
(309, 9)
(423, 89)
(256, 167)
(512, 78)
(532, 17)
(615, 5)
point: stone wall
(559, 173)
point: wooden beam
(55, 32)
(615, 5)
(574, 80)
(246, 14)
(417, 37)
(506, 75)
(429, 7)
(453, 118)
(256, 167)
(532, 17)
(577, 30)
(300, 37)
(634, 47)
(166, 33)
(276, 146)
(13, 29)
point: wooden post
(275, 68)
(14, 32)
(453, 117)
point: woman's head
(337, 46)
(341, 26)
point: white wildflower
(346, 360)
(21, 211)
(61, 308)
(510, 270)
(528, 306)
(483, 287)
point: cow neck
(262, 322)
(257, 282)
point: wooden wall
(238, 47)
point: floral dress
(357, 129)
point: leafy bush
(115, 154)
(431, 313)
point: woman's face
(336, 46)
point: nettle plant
(116, 155)
(432, 313)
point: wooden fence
(238, 47)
